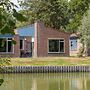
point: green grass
(50, 61)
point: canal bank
(44, 69)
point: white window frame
(59, 44)
(7, 45)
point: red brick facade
(17, 46)
(42, 34)
(27, 45)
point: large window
(56, 45)
(6, 45)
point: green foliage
(81, 51)
(84, 31)
(77, 8)
(52, 12)
(1, 81)
(18, 16)
(8, 17)
(4, 61)
(13, 42)
(55, 13)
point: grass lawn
(47, 61)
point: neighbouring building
(75, 45)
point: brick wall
(42, 34)
(27, 43)
(16, 46)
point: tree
(8, 17)
(77, 8)
(84, 31)
(52, 12)
(56, 13)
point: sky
(16, 3)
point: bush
(4, 61)
(81, 52)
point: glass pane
(2, 45)
(53, 45)
(9, 38)
(21, 44)
(10, 46)
(61, 46)
(61, 40)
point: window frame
(7, 46)
(59, 45)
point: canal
(50, 81)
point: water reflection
(59, 81)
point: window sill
(73, 50)
(6, 52)
(56, 52)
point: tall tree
(8, 16)
(77, 8)
(56, 13)
(84, 31)
(52, 12)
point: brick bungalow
(50, 42)
(36, 41)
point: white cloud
(16, 3)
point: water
(58, 81)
